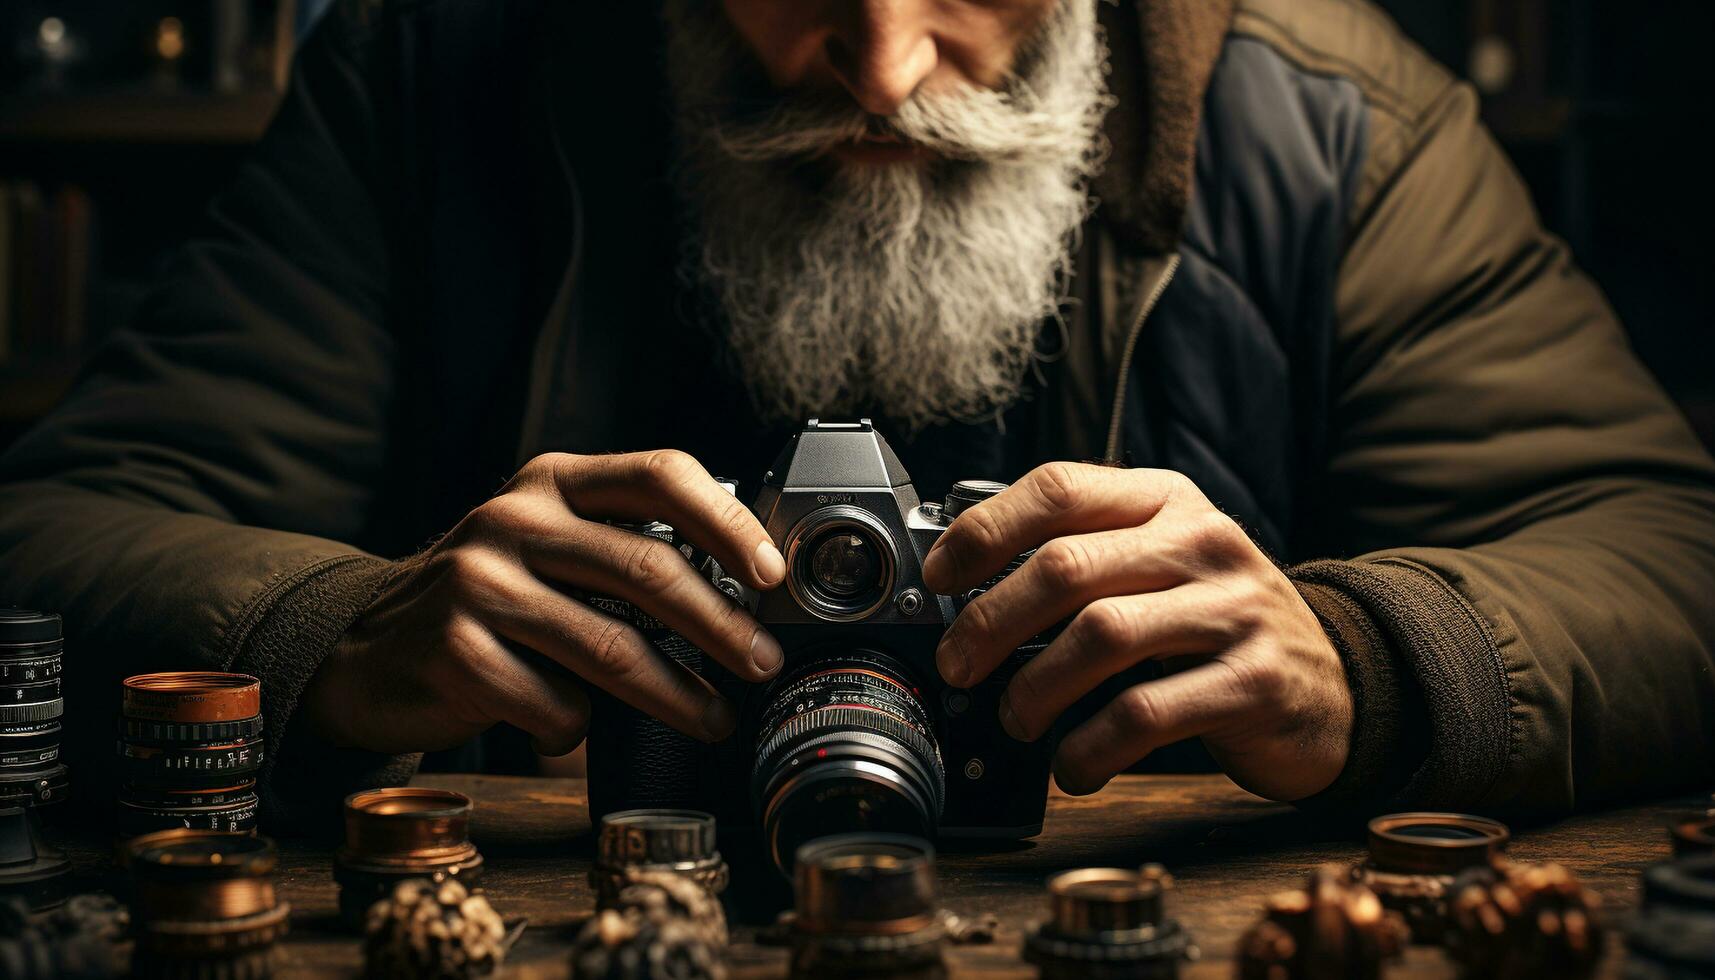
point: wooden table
(1226, 849)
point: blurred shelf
(105, 118)
(31, 385)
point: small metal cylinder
(1414, 858)
(1694, 834)
(1108, 923)
(866, 905)
(402, 832)
(678, 841)
(204, 904)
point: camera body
(857, 732)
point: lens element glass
(845, 565)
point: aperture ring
(237, 730)
(181, 762)
(34, 711)
(32, 692)
(236, 816)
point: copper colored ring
(408, 822)
(192, 696)
(1455, 842)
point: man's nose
(881, 50)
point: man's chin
(880, 153)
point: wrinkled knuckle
(1214, 534)
(469, 573)
(610, 650)
(982, 530)
(650, 568)
(975, 623)
(1058, 485)
(1106, 625)
(1137, 712)
(1065, 565)
(669, 469)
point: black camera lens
(845, 745)
(842, 563)
(31, 650)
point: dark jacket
(1314, 284)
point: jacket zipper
(1126, 356)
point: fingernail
(770, 566)
(1008, 720)
(765, 653)
(932, 565)
(719, 719)
(950, 660)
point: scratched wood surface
(1227, 850)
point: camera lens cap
(967, 494)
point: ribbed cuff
(285, 637)
(1431, 701)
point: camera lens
(191, 743)
(845, 745)
(31, 651)
(842, 562)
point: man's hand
(1148, 569)
(444, 651)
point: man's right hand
(442, 652)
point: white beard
(914, 290)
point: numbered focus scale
(191, 743)
(31, 652)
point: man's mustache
(969, 123)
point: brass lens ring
(1415, 856)
(192, 696)
(402, 832)
(867, 904)
(1108, 922)
(202, 895)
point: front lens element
(845, 745)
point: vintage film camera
(857, 732)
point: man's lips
(878, 150)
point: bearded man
(1298, 397)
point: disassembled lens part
(402, 832)
(679, 842)
(191, 743)
(1334, 927)
(29, 867)
(1694, 834)
(1108, 923)
(204, 905)
(1415, 856)
(866, 904)
(1673, 934)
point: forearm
(1569, 663)
(145, 588)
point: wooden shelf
(136, 117)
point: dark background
(1602, 105)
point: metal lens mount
(866, 904)
(812, 558)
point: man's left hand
(1148, 569)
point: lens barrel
(677, 841)
(845, 745)
(1414, 858)
(31, 705)
(866, 905)
(190, 743)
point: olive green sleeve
(1527, 521)
(195, 501)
